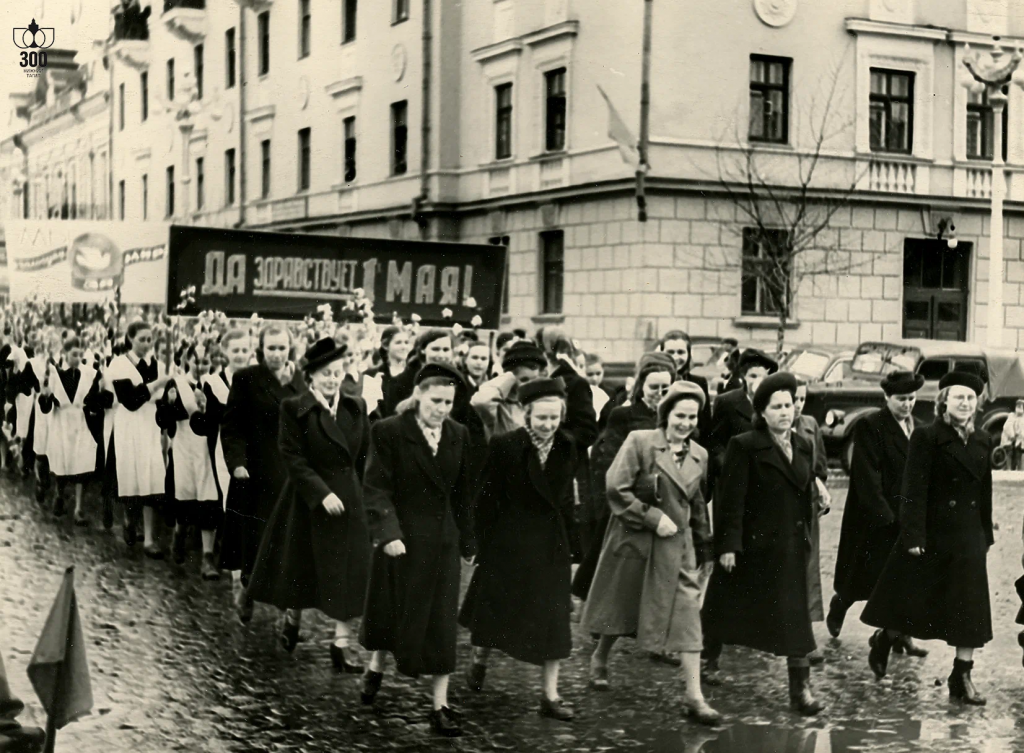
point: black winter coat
(733, 415)
(870, 519)
(518, 601)
(947, 510)
(763, 512)
(309, 558)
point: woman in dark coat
(417, 501)
(249, 437)
(657, 556)
(763, 513)
(935, 583)
(518, 601)
(315, 552)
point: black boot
(904, 644)
(878, 657)
(961, 688)
(475, 676)
(800, 698)
(836, 614)
(371, 686)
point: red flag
(59, 670)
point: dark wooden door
(935, 289)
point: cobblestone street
(173, 670)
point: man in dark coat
(871, 517)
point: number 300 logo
(33, 59)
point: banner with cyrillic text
(287, 275)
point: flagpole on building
(645, 107)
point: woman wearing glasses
(935, 584)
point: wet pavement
(172, 670)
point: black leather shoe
(878, 657)
(556, 709)
(345, 660)
(905, 645)
(835, 617)
(371, 686)
(444, 722)
(961, 687)
(289, 636)
(475, 677)
(702, 713)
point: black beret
(962, 379)
(902, 383)
(540, 388)
(753, 357)
(440, 370)
(523, 353)
(782, 381)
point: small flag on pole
(59, 670)
(619, 132)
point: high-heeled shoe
(371, 686)
(702, 713)
(345, 660)
(599, 676)
(289, 636)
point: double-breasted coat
(808, 428)
(518, 601)
(423, 500)
(947, 511)
(309, 558)
(646, 585)
(871, 518)
(249, 438)
(763, 512)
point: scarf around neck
(543, 445)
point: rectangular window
(399, 138)
(144, 88)
(229, 177)
(552, 269)
(401, 11)
(120, 198)
(554, 110)
(503, 121)
(197, 56)
(348, 21)
(892, 111)
(170, 191)
(265, 169)
(120, 108)
(503, 240)
(200, 183)
(305, 28)
(263, 30)
(170, 80)
(145, 196)
(769, 99)
(304, 157)
(229, 58)
(980, 134)
(350, 149)
(765, 277)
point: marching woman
(518, 601)
(657, 555)
(763, 512)
(249, 437)
(72, 402)
(135, 458)
(418, 506)
(934, 585)
(193, 496)
(315, 552)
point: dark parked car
(839, 406)
(830, 364)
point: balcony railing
(892, 177)
(170, 5)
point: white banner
(83, 261)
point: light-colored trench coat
(646, 585)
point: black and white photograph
(544, 376)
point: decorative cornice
(906, 31)
(497, 50)
(344, 86)
(260, 113)
(551, 33)
(984, 40)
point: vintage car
(819, 363)
(839, 406)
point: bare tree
(785, 205)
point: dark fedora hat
(442, 370)
(523, 353)
(540, 388)
(323, 352)
(962, 379)
(752, 357)
(783, 381)
(902, 383)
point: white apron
(71, 448)
(220, 390)
(41, 433)
(193, 468)
(140, 458)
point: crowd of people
(364, 488)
